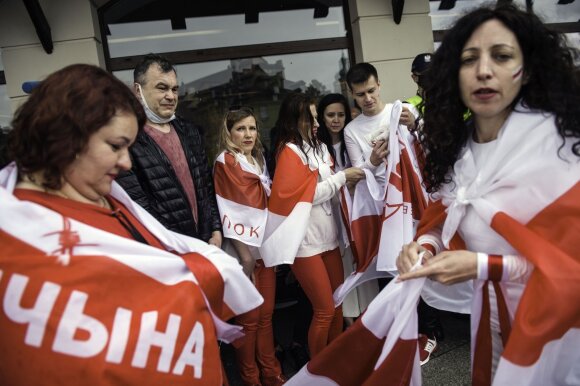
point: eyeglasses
(235, 108)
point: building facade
(232, 52)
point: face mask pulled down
(150, 114)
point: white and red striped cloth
(379, 349)
(242, 197)
(81, 305)
(383, 220)
(289, 206)
(405, 197)
(530, 196)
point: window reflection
(129, 39)
(261, 83)
(207, 90)
(445, 13)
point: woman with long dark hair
(334, 113)
(301, 228)
(507, 191)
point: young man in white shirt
(370, 154)
(364, 84)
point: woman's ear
(525, 78)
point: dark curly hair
(323, 133)
(553, 85)
(294, 123)
(60, 116)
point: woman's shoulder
(307, 154)
(225, 157)
(229, 157)
(291, 149)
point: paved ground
(449, 365)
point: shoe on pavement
(426, 348)
(278, 380)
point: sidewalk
(449, 365)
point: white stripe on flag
(242, 222)
(558, 365)
(284, 235)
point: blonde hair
(225, 143)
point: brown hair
(61, 114)
(295, 122)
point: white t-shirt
(339, 165)
(357, 146)
(322, 232)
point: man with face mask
(170, 176)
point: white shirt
(338, 166)
(357, 146)
(322, 232)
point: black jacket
(153, 184)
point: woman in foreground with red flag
(94, 290)
(301, 229)
(242, 187)
(507, 193)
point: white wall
(388, 46)
(75, 35)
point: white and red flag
(84, 306)
(533, 203)
(405, 195)
(529, 194)
(379, 349)
(289, 205)
(242, 197)
(383, 219)
(361, 218)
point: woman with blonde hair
(242, 187)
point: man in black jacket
(170, 176)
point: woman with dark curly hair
(505, 184)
